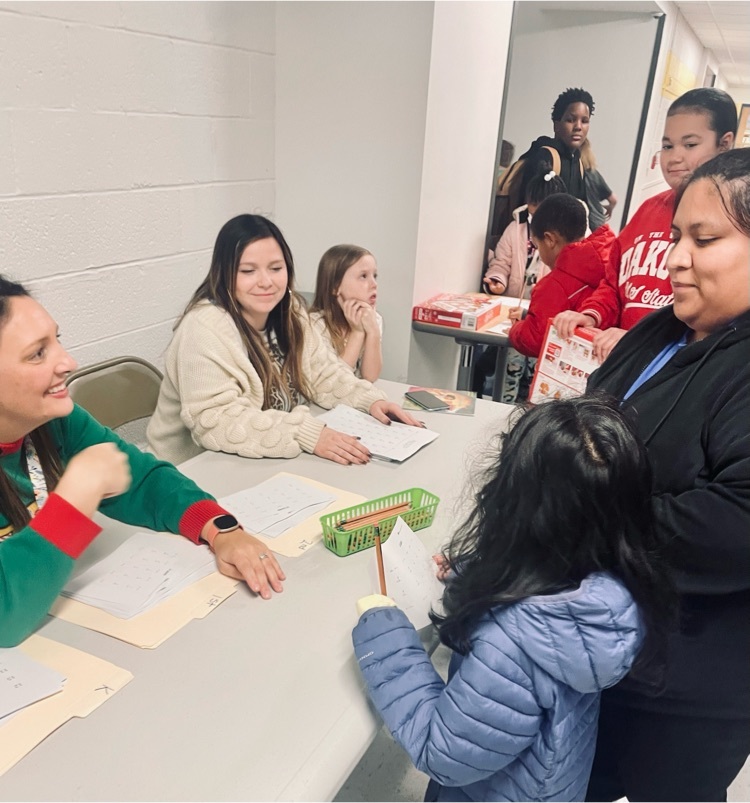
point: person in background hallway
(599, 196)
(577, 265)
(700, 124)
(514, 268)
(680, 729)
(571, 118)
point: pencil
(376, 516)
(379, 555)
(523, 290)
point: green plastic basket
(347, 542)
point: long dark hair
(570, 494)
(283, 321)
(10, 501)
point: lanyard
(36, 475)
(38, 483)
(661, 359)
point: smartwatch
(221, 524)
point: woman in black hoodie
(679, 729)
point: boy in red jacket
(577, 265)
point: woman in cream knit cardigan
(244, 360)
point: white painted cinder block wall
(130, 133)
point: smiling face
(261, 281)
(33, 366)
(708, 266)
(573, 128)
(360, 281)
(688, 142)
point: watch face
(226, 522)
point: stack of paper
(146, 569)
(276, 505)
(24, 681)
(395, 442)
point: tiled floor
(386, 773)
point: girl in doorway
(555, 578)
(514, 266)
(343, 310)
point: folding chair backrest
(116, 391)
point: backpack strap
(504, 187)
(556, 163)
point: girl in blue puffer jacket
(554, 580)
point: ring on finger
(263, 555)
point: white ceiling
(724, 28)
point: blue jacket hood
(585, 638)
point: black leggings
(665, 757)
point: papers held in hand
(395, 442)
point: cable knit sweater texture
(212, 398)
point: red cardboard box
(460, 310)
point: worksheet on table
(140, 573)
(276, 505)
(395, 442)
(24, 681)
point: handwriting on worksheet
(276, 505)
(409, 574)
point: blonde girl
(344, 312)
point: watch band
(225, 523)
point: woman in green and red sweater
(58, 466)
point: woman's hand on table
(566, 322)
(244, 557)
(386, 411)
(341, 448)
(605, 341)
(515, 314)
